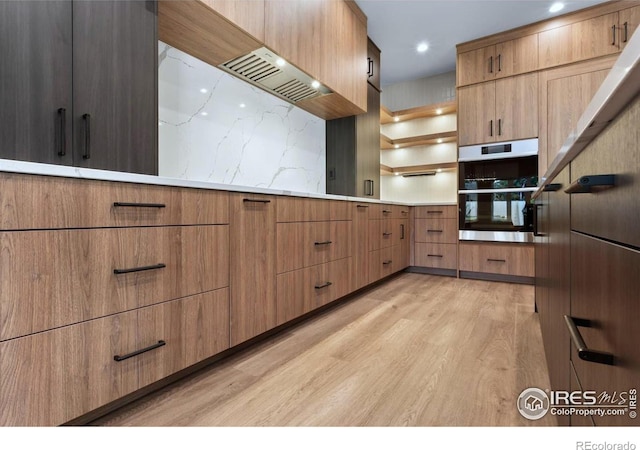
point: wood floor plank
(418, 350)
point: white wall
(424, 91)
(208, 136)
(439, 188)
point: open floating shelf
(413, 170)
(437, 109)
(387, 143)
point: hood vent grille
(260, 68)
(420, 174)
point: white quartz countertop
(620, 87)
(7, 165)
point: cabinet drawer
(605, 281)
(443, 231)
(503, 259)
(399, 212)
(304, 290)
(441, 256)
(611, 213)
(436, 212)
(340, 210)
(56, 278)
(400, 230)
(304, 244)
(55, 376)
(36, 202)
(375, 210)
(298, 209)
(380, 264)
(381, 233)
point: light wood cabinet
(436, 212)
(58, 375)
(33, 202)
(496, 111)
(629, 19)
(579, 41)
(298, 209)
(564, 94)
(330, 43)
(493, 258)
(380, 264)
(56, 278)
(360, 243)
(436, 237)
(439, 256)
(252, 265)
(443, 231)
(504, 59)
(246, 14)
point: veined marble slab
(214, 127)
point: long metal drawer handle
(387, 234)
(138, 205)
(553, 187)
(496, 260)
(404, 212)
(434, 231)
(434, 256)
(323, 243)
(139, 269)
(320, 286)
(385, 263)
(583, 351)
(139, 352)
(254, 200)
(362, 206)
(586, 184)
(386, 211)
(434, 212)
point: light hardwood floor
(419, 350)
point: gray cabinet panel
(115, 82)
(35, 80)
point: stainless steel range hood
(261, 68)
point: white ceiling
(397, 26)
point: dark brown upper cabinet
(373, 64)
(78, 83)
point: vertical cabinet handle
(491, 128)
(613, 35)
(87, 136)
(584, 352)
(500, 63)
(491, 64)
(499, 127)
(626, 32)
(368, 187)
(62, 131)
(401, 231)
(370, 67)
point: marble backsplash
(215, 127)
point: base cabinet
(66, 372)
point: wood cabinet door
(605, 281)
(516, 56)
(360, 243)
(476, 66)
(252, 267)
(516, 107)
(115, 106)
(373, 61)
(629, 21)
(564, 93)
(246, 14)
(35, 81)
(476, 114)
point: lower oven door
(496, 210)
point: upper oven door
(498, 174)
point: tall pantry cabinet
(78, 83)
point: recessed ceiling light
(396, 146)
(422, 47)
(281, 62)
(396, 174)
(203, 90)
(315, 84)
(396, 119)
(439, 141)
(556, 7)
(204, 113)
(242, 105)
(438, 111)
(438, 170)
